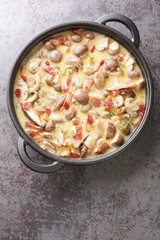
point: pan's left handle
(41, 168)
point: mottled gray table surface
(116, 200)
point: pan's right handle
(41, 168)
(124, 20)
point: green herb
(119, 64)
(25, 92)
(71, 71)
(52, 125)
(91, 60)
(62, 72)
(125, 124)
(111, 114)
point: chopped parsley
(25, 92)
(91, 60)
(111, 114)
(120, 64)
(125, 124)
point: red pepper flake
(48, 111)
(30, 124)
(32, 133)
(103, 148)
(76, 69)
(108, 104)
(95, 101)
(88, 84)
(66, 105)
(115, 93)
(93, 48)
(23, 74)
(26, 106)
(73, 155)
(47, 63)
(18, 92)
(65, 89)
(99, 64)
(89, 123)
(120, 58)
(142, 108)
(138, 119)
(78, 132)
(62, 40)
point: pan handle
(41, 168)
(124, 20)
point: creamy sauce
(66, 127)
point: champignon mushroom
(127, 93)
(90, 141)
(74, 60)
(118, 140)
(76, 38)
(140, 84)
(127, 130)
(118, 101)
(98, 80)
(134, 74)
(90, 35)
(104, 42)
(42, 102)
(99, 127)
(81, 96)
(105, 93)
(44, 53)
(79, 49)
(75, 82)
(32, 97)
(36, 85)
(59, 103)
(85, 108)
(75, 120)
(49, 127)
(104, 72)
(111, 130)
(110, 64)
(55, 56)
(87, 69)
(131, 105)
(113, 48)
(71, 113)
(33, 65)
(83, 151)
(23, 86)
(61, 138)
(50, 80)
(48, 44)
(49, 145)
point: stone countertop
(115, 200)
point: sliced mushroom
(76, 38)
(127, 94)
(81, 96)
(49, 145)
(33, 65)
(31, 81)
(113, 48)
(83, 151)
(90, 35)
(118, 101)
(104, 42)
(111, 64)
(85, 108)
(140, 84)
(75, 82)
(120, 72)
(31, 114)
(99, 144)
(35, 87)
(44, 53)
(79, 49)
(88, 70)
(48, 44)
(74, 60)
(118, 140)
(134, 74)
(90, 142)
(59, 103)
(131, 105)
(23, 86)
(111, 130)
(55, 56)
(71, 113)
(127, 130)
(105, 93)
(56, 117)
(75, 120)
(104, 72)
(99, 127)
(32, 97)
(49, 127)
(61, 138)
(98, 80)
(50, 80)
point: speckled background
(116, 200)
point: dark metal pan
(98, 26)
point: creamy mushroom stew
(79, 94)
